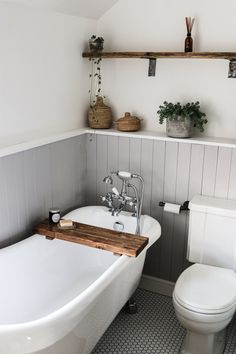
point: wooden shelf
(97, 237)
(155, 55)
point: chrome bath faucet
(117, 201)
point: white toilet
(205, 294)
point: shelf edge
(164, 55)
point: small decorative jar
(100, 115)
(54, 215)
(128, 123)
(188, 44)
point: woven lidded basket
(128, 123)
(100, 115)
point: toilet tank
(212, 232)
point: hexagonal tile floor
(153, 329)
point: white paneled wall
(173, 172)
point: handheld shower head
(124, 175)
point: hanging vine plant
(96, 46)
(95, 80)
(99, 115)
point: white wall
(84, 8)
(43, 78)
(159, 25)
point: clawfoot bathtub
(59, 297)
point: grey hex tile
(154, 329)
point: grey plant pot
(179, 128)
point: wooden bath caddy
(97, 237)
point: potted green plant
(96, 44)
(181, 119)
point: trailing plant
(96, 80)
(176, 111)
(96, 46)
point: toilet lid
(206, 289)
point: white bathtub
(59, 297)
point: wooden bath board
(97, 237)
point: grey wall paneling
(223, 172)
(135, 159)
(67, 158)
(179, 242)
(152, 264)
(102, 163)
(123, 154)
(209, 170)
(146, 172)
(37, 184)
(69, 173)
(232, 180)
(158, 176)
(63, 166)
(168, 218)
(91, 183)
(13, 203)
(112, 154)
(34, 180)
(196, 170)
(80, 170)
(135, 155)
(194, 183)
(173, 172)
(13, 168)
(5, 214)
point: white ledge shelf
(223, 142)
(24, 143)
(8, 149)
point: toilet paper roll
(172, 208)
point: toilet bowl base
(195, 343)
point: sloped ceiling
(85, 8)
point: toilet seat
(206, 289)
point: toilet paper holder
(183, 207)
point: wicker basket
(128, 123)
(100, 115)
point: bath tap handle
(115, 191)
(107, 198)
